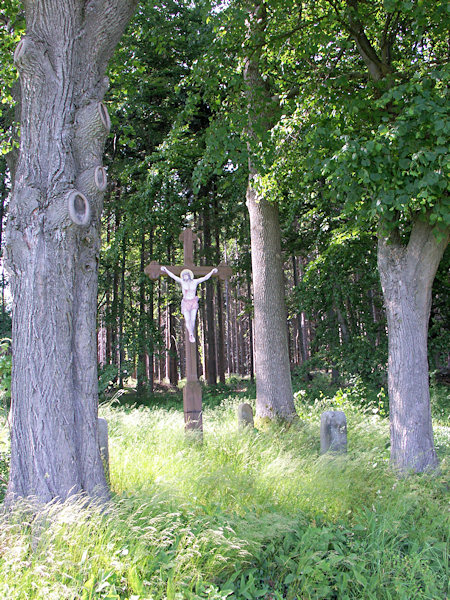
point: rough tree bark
(273, 377)
(407, 274)
(53, 241)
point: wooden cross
(192, 392)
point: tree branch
(377, 69)
(425, 248)
(104, 23)
(388, 36)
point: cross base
(192, 403)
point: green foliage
(12, 27)
(107, 377)
(401, 167)
(245, 515)
(440, 397)
(439, 328)
(340, 292)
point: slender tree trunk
(301, 335)
(220, 333)
(228, 332)
(240, 334)
(108, 325)
(150, 345)
(202, 327)
(342, 325)
(142, 330)
(220, 329)
(122, 311)
(161, 363)
(407, 274)
(274, 397)
(172, 347)
(250, 331)
(209, 303)
(168, 328)
(236, 362)
(53, 246)
(115, 298)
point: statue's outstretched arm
(170, 274)
(201, 279)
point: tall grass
(245, 514)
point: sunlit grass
(245, 514)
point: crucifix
(185, 276)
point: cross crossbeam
(188, 237)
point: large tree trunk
(407, 274)
(273, 376)
(53, 246)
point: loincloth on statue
(189, 304)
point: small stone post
(245, 416)
(333, 432)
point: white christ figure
(189, 303)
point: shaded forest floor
(247, 514)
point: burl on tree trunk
(53, 242)
(407, 273)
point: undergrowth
(243, 515)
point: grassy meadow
(243, 515)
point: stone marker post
(103, 444)
(245, 415)
(192, 393)
(333, 432)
